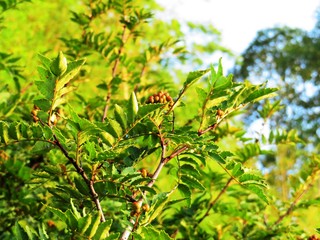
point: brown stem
(203, 111)
(175, 153)
(79, 169)
(212, 127)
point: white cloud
(240, 20)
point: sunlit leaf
(103, 230)
(192, 182)
(91, 231)
(261, 94)
(194, 76)
(20, 233)
(84, 223)
(120, 116)
(216, 157)
(132, 108)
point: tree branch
(163, 161)
(223, 190)
(79, 169)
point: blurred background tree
(290, 59)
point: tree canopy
(109, 128)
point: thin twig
(293, 204)
(311, 179)
(125, 235)
(223, 190)
(79, 169)
(113, 74)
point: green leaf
(189, 169)
(113, 236)
(44, 60)
(37, 131)
(120, 116)
(52, 169)
(107, 138)
(14, 131)
(151, 232)
(58, 213)
(24, 129)
(41, 147)
(114, 128)
(84, 136)
(132, 108)
(216, 157)
(193, 77)
(72, 221)
(46, 88)
(72, 70)
(94, 226)
(223, 83)
(103, 230)
(192, 182)
(84, 223)
(186, 192)
(202, 94)
(74, 210)
(189, 160)
(58, 66)
(81, 186)
(19, 232)
(147, 109)
(260, 193)
(43, 104)
(237, 170)
(158, 203)
(148, 189)
(195, 157)
(261, 94)
(249, 177)
(45, 75)
(42, 231)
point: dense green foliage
(109, 139)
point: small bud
(220, 113)
(144, 172)
(51, 223)
(35, 119)
(136, 207)
(146, 207)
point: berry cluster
(160, 97)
